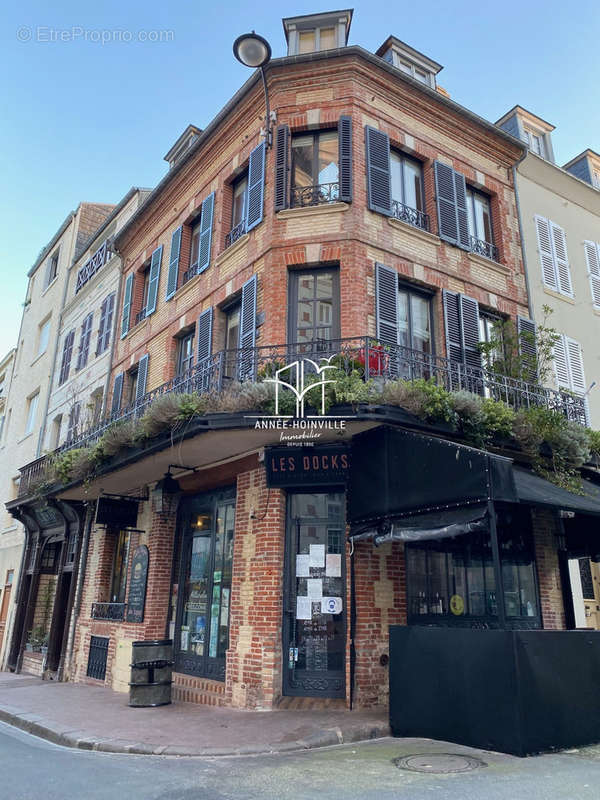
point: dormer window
(535, 142)
(409, 61)
(313, 33)
(596, 178)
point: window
(32, 405)
(195, 247)
(52, 269)
(409, 68)
(414, 333)
(480, 224)
(535, 142)
(316, 39)
(132, 386)
(73, 427)
(95, 406)
(66, 357)
(315, 172)
(185, 353)
(238, 209)
(406, 179)
(453, 580)
(596, 178)
(145, 294)
(84, 341)
(118, 584)
(490, 330)
(43, 336)
(568, 365)
(552, 247)
(107, 310)
(49, 557)
(307, 42)
(592, 257)
(314, 308)
(56, 427)
(232, 339)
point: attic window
(535, 142)
(311, 41)
(408, 67)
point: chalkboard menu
(137, 586)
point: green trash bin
(151, 673)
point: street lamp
(254, 51)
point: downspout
(520, 220)
(55, 356)
(87, 529)
(113, 341)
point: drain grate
(439, 763)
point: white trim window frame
(554, 259)
(535, 141)
(592, 259)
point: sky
(93, 95)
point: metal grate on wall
(96, 667)
(587, 584)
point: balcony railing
(235, 233)
(483, 248)
(302, 196)
(410, 215)
(112, 612)
(140, 315)
(93, 264)
(384, 363)
(189, 274)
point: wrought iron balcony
(112, 612)
(483, 248)
(365, 355)
(302, 196)
(141, 315)
(189, 274)
(93, 264)
(410, 215)
(235, 233)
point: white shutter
(592, 257)
(546, 251)
(577, 373)
(561, 364)
(561, 259)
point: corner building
(382, 216)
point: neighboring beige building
(560, 217)
(86, 330)
(35, 358)
(7, 523)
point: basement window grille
(96, 667)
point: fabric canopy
(539, 492)
(422, 527)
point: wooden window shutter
(527, 348)
(174, 263)
(206, 225)
(282, 137)
(247, 338)
(546, 251)
(386, 302)
(469, 317)
(126, 316)
(66, 357)
(445, 195)
(153, 280)
(452, 326)
(142, 377)
(117, 394)
(345, 157)
(204, 334)
(84, 341)
(576, 370)
(563, 270)
(379, 190)
(102, 326)
(256, 187)
(561, 363)
(460, 186)
(592, 258)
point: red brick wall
(545, 529)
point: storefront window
(118, 585)
(453, 580)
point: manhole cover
(439, 763)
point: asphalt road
(31, 768)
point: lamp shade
(168, 484)
(252, 50)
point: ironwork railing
(314, 195)
(189, 274)
(235, 233)
(411, 215)
(113, 612)
(140, 315)
(483, 248)
(93, 264)
(365, 355)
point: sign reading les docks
(307, 466)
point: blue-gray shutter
(204, 334)
(452, 326)
(206, 225)
(153, 280)
(140, 389)
(445, 195)
(345, 158)
(461, 322)
(527, 348)
(174, 263)
(256, 187)
(117, 394)
(460, 186)
(386, 302)
(66, 357)
(281, 167)
(84, 341)
(126, 316)
(379, 191)
(247, 338)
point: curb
(81, 740)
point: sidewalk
(96, 718)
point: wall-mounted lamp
(165, 488)
(254, 51)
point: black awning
(539, 492)
(421, 527)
